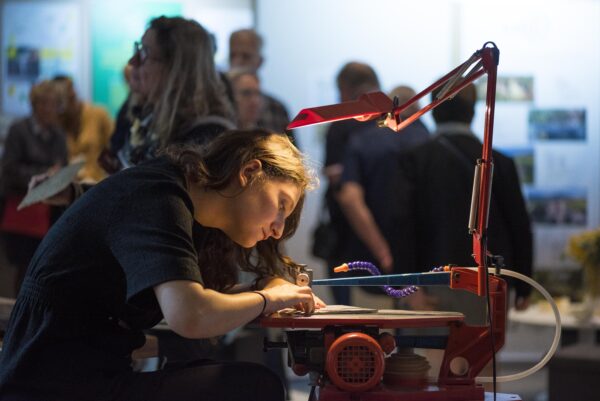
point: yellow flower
(585, 248)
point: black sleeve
(335, 145)
(151, 237)
(405, 214)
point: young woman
(125, 255)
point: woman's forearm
(195, 312)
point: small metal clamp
(304, 276)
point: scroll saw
(352, 357)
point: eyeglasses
(249, 93)
(140, 52)
(141, 55)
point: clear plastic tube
(555, 342)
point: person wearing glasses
(161, 239)
(183, 97)
(248, 99)
(246, 52)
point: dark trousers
(19, 251)
(341, 294)
(197, 381)
(204, 381)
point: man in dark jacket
(353, 80)
(441, 176)
(368, 195)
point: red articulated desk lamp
(378, 105)
(346, 357)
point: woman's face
(148, 66)
(248, 100)
(261, 209)
(46, 110)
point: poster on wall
(39, 41)
(556, 214)
(508, 89)
(523, 157)
(565, 206)
(550, 247)
(557, 124)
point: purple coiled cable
(392, 292)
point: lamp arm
(483, 61)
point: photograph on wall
(524, 161)
(557, 207)
(550, 247)
(39, 41)
(508, 89)
(557, 124)
(23, 62)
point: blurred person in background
(33, 145)
(87, 127)
(129, 108)
(248, 99)
(245, 51)
(440, 174)
(353, 80)
(369, 192)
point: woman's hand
(289, 295)
(272, 282)
(319, 302)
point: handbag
(324, 236)
(32, 221)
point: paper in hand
(329, 310)
(343, 309)
(52, 185)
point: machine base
(430, 393)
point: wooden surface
(386, 318)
